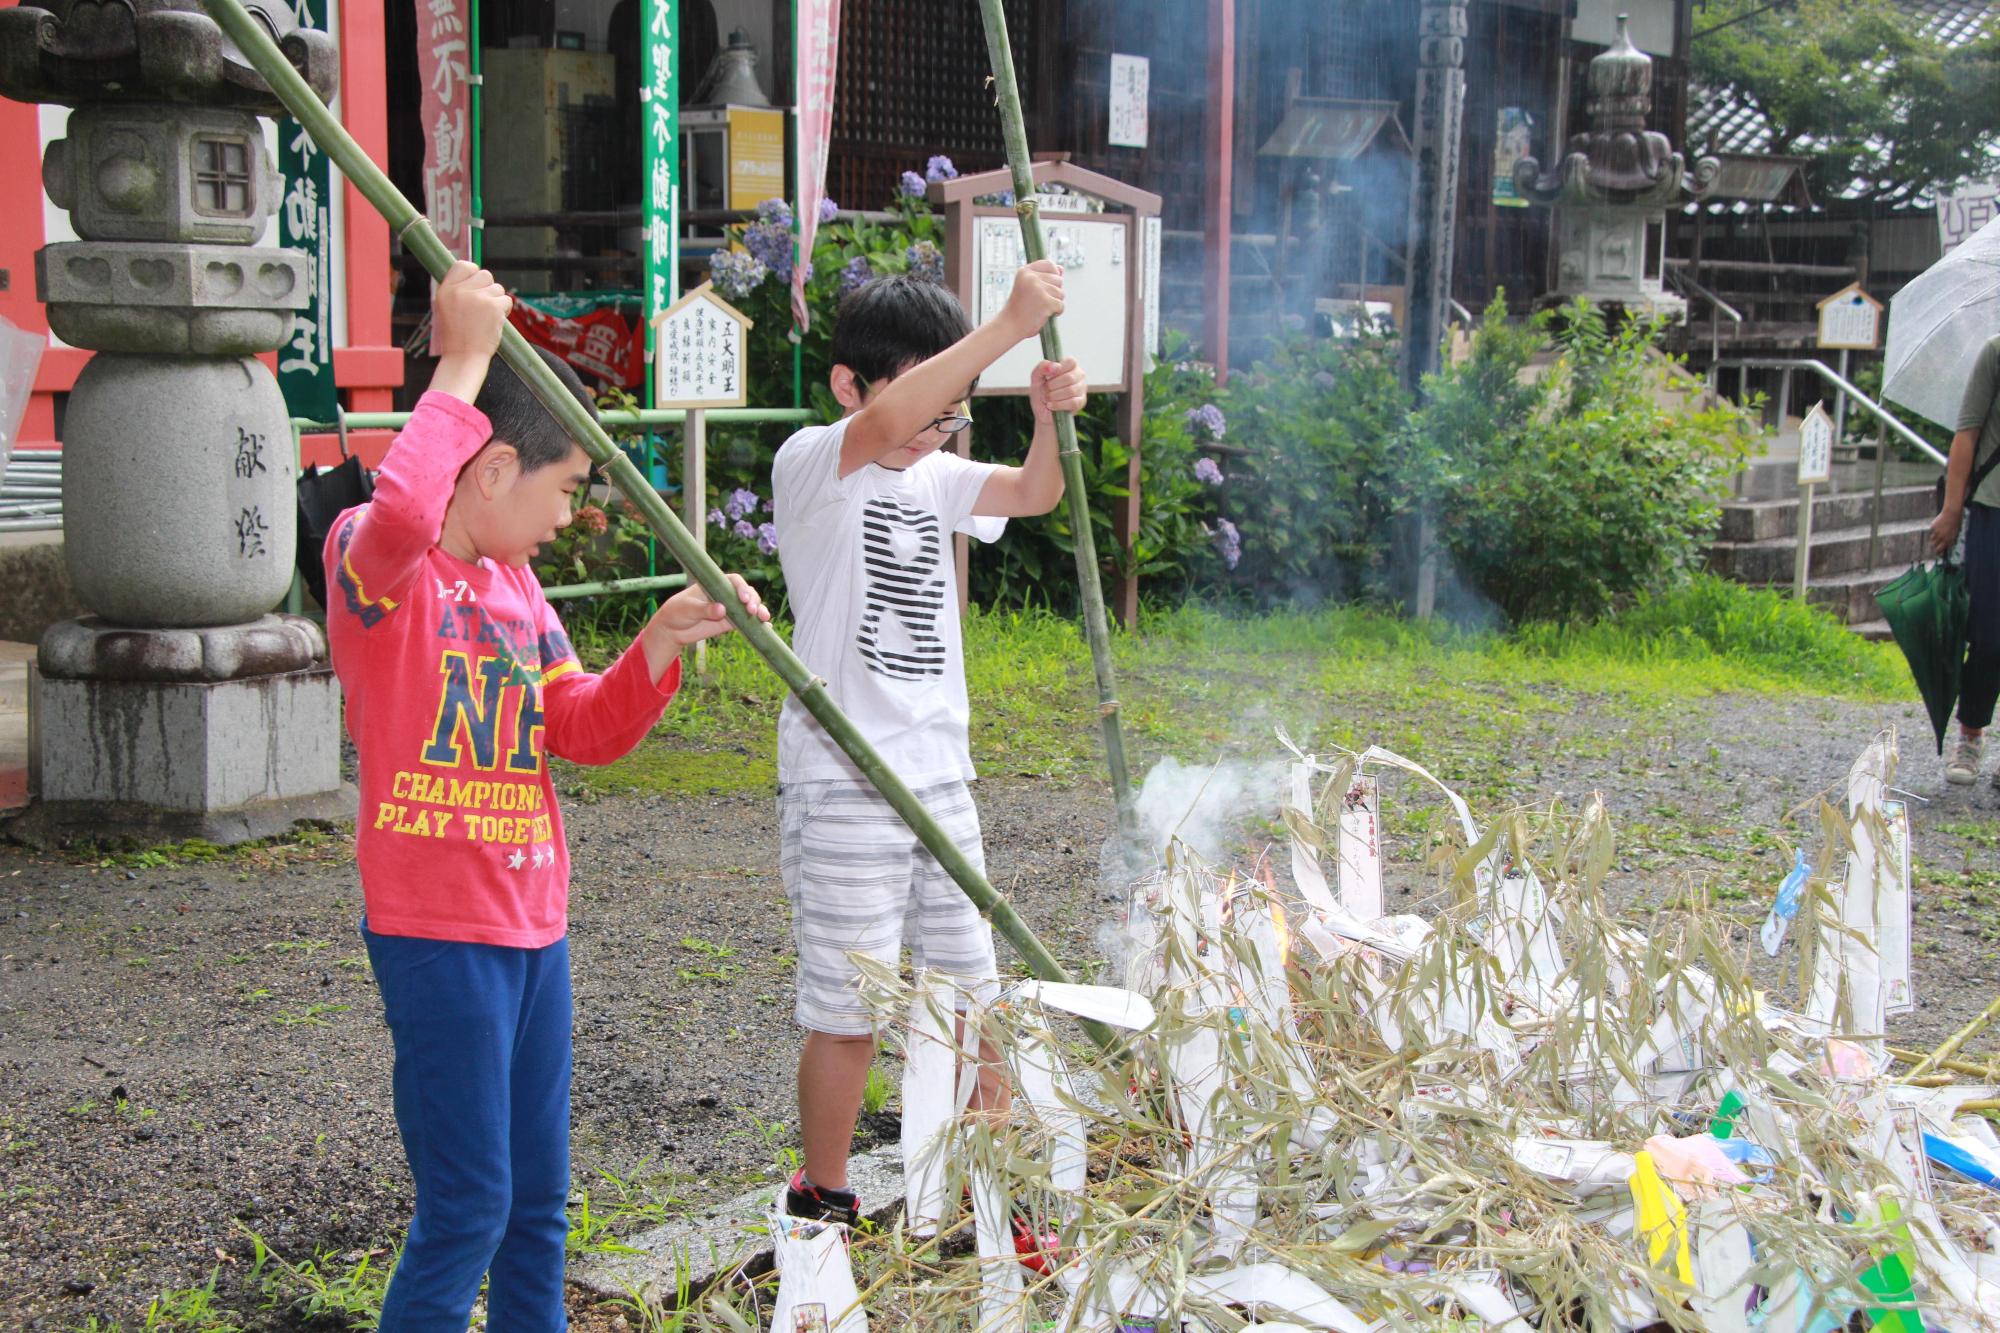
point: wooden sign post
(700, 352)
(1106, 235)
(1815, 466)
(1849, 321)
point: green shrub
(1574, 494)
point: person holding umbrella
(1972, 502)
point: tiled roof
(1736, 128)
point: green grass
(1197, 683)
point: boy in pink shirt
(459, 683)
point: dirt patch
(190, 1049)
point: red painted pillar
(1216, 195)
(20, 237)
(370, 367)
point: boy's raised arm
(595, 719)
(1036, 486)
(382, 548)
(915, 398)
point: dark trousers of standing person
(1979, 687)
(482, 1036)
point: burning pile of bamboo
(1510, 1112)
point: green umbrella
(1927, 609)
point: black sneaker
(820, 1204)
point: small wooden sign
(700, 352)
(1850, 318)
(1816, 446)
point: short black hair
(519, 418)
(886, 326)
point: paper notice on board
(1130, 76)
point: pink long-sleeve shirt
(460, 683)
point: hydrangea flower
(775, 210)
(856, 273)
(718, 518)
(940, 168)
(1324, 379)
(771, 244)
(1207, 472)
(912, 185)
(745, 529)
(1228, 542)
(926, 261)
(767, 537)
(740, 503)
(592, 520)
(734, 273)
(1208, 418)
(828, 210)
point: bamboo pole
(1013, 130)
(1988, 1072)
(404, 220)
(1957, 1039)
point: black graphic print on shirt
(903, 558)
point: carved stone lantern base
(226, 734)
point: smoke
(1205, 805)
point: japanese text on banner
(305, 362)
(444, 69)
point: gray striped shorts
(860, 882)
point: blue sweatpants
(482, 1036)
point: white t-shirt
(873, 586)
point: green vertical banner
(659, 137)
(305, 362)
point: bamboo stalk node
(1107, 708)
(415, 223)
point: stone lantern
(1612, 190)
(179, 707)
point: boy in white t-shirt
(865, 511)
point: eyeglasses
(951, 423)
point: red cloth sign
(444, 47)
(593, 335)
(819, 40)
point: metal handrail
(1717, 307)
(641, 417)
(1833, 377)
(1686, 284)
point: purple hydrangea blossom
(1207, 418)
(767, 537)
(912, 185)
(771, 243)
(775, 210)
(828, 210)
(718, 518)
(740, 503)
(1207, 472)
(770, 506)
(926, 261)
(856, 273)
(734, 273)
(1228, 542)
(745, 529)
(940, 168)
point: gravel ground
(191, 1049)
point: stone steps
(1757, 537)
(1840, 551)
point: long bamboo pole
(403, 218)
(1950, 1045)
(1013, 130)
